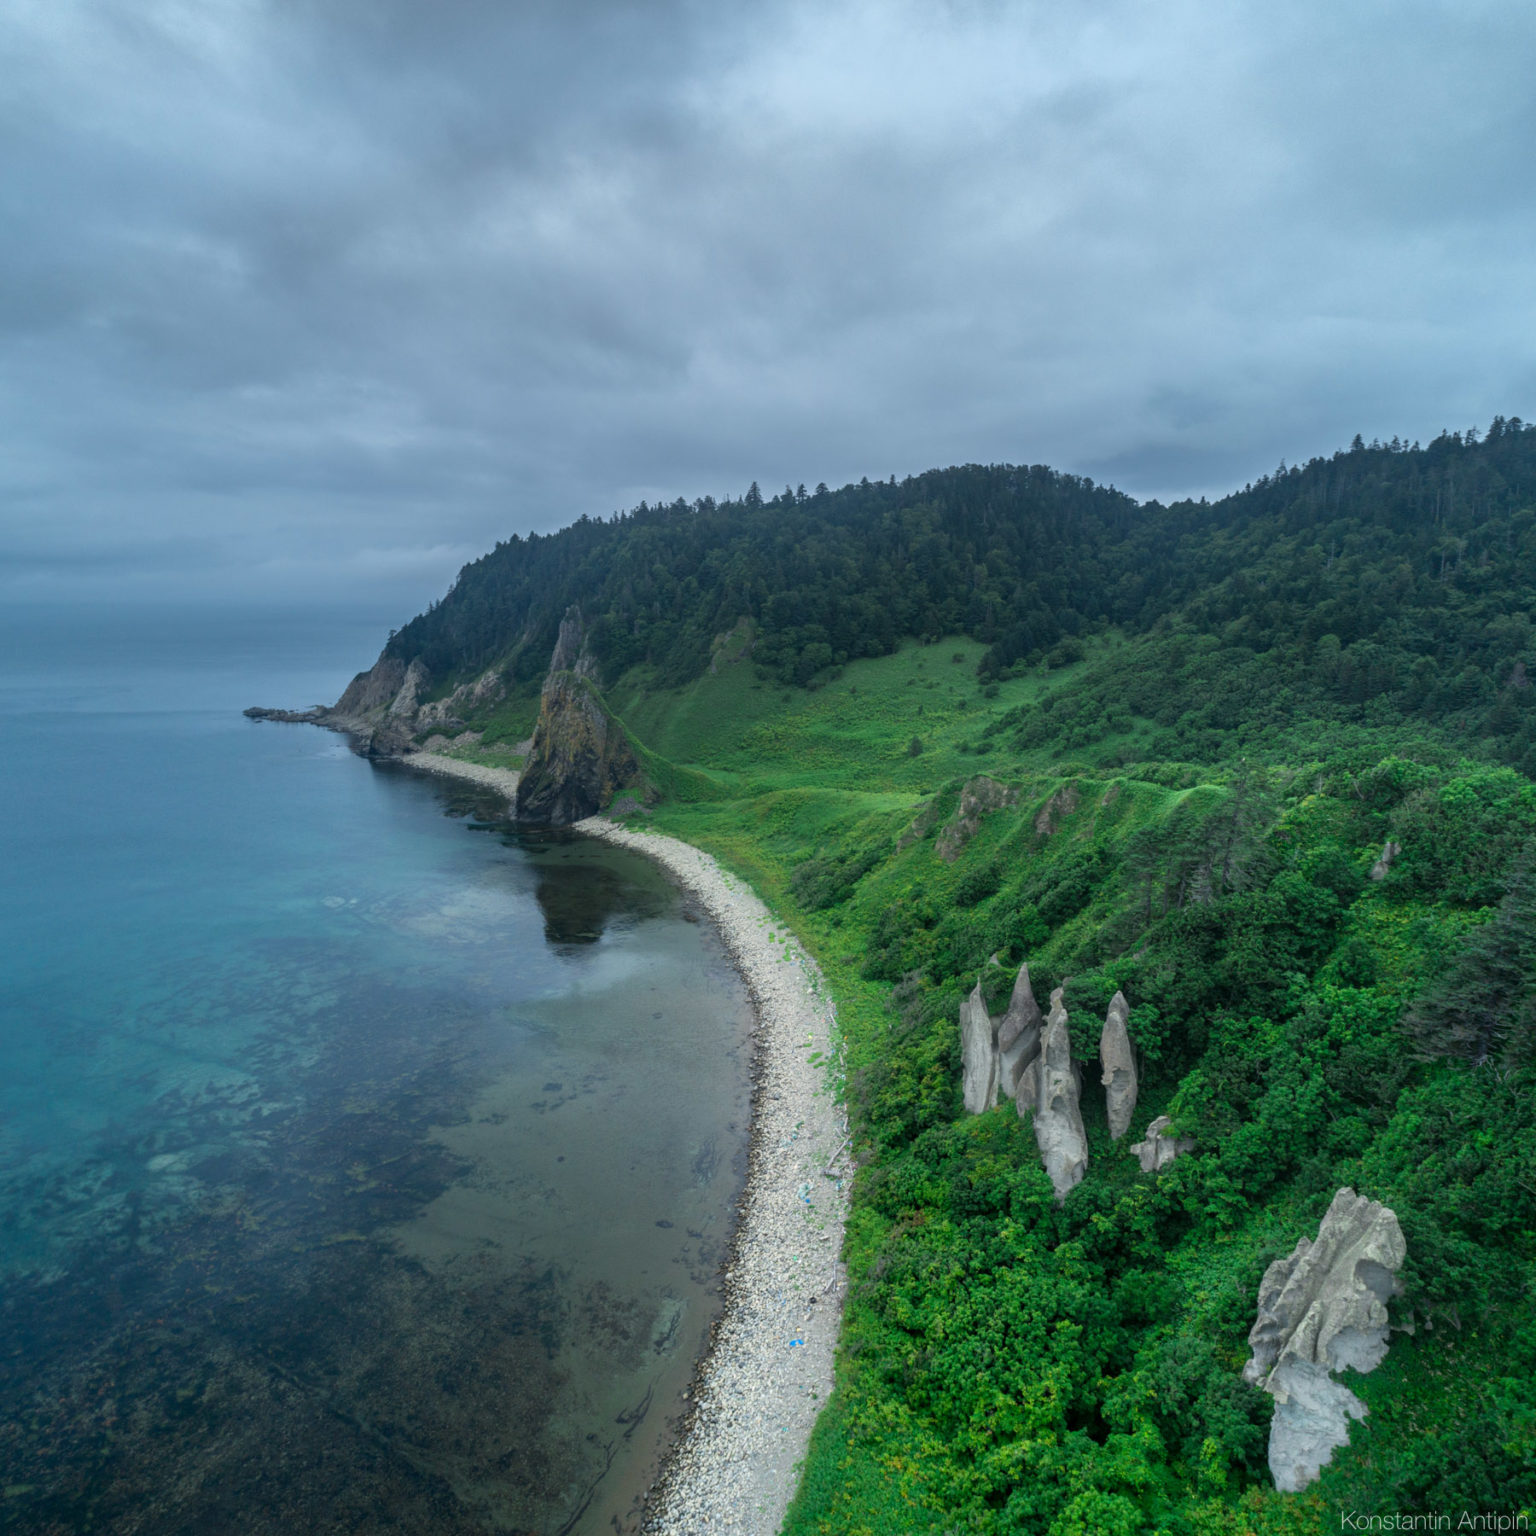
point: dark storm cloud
(302, 294)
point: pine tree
(1487, 1002)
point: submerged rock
(1058, 1119)
(1323, 1309)
(313, 716)
(1159, 1149)
(1119, 1062)
(978, 1050)
(1018, 1035)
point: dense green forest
(1390, 575)
(1212, 717)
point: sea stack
(581, 754)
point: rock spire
(1119, 1063)
(1058, 1119)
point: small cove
(362, 1166)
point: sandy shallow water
(768, 1370)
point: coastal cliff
(581, 755)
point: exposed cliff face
(378, 707)
(381, 709)
(372, 690)
(980, 797)
(580, 755)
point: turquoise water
(363, 1166)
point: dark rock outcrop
(1324, 1309)
(315, 716)
(1119, 1063)
(580, 755)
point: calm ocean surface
(363, 1167)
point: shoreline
(766, 1371)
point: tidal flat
(365, 1167)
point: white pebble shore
(768, 1371)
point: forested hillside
(1385, 574)
(1262, 765)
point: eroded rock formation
(580, 754)
(1058, 1118)
(1018, 1035)
(1159, 1149)
(1026, 1096)
(1119, 1063)
(1051, 814)
(978, 1052)
(979, 797)
(1323, 1309)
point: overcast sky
(314, 298)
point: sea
(366, 1164)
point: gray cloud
(308, 295)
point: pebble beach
(768, 1370)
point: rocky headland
(579, 758)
